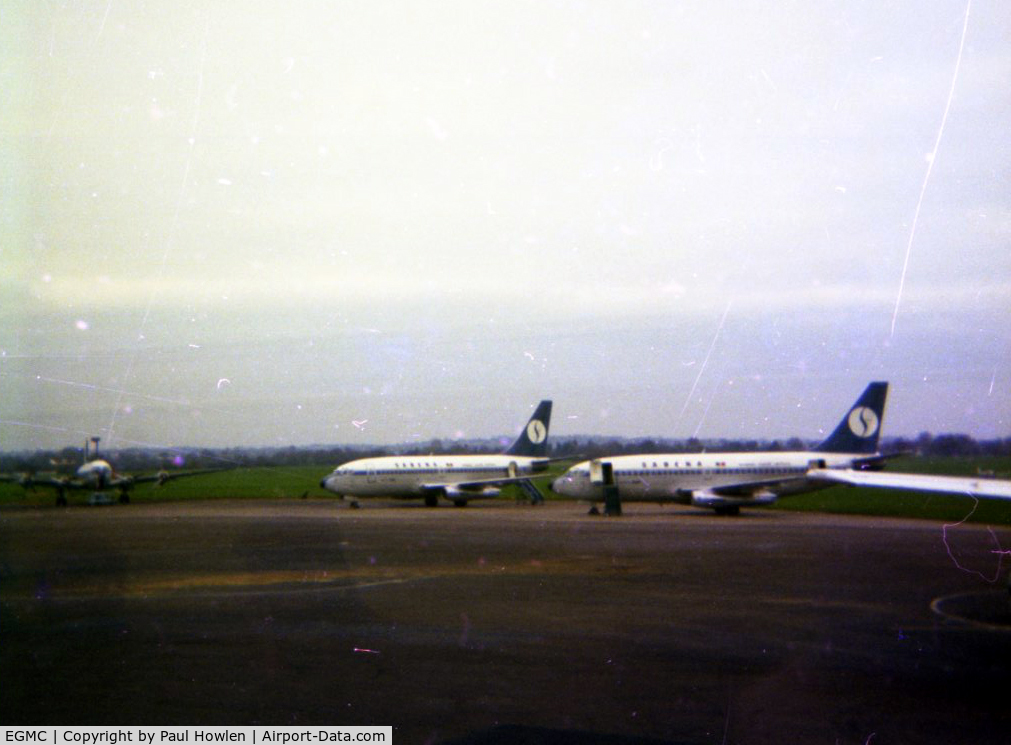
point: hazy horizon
(285, 224)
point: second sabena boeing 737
(725, 482)
(458, 478)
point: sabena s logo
(536, 431)
(863, 421)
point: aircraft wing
(16, 478)
(29, 482)
(973, 486)
(162, 476)
(750, 488)
(475, 483)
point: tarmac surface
(504, 623)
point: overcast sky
(275, 223)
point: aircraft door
(601, 473)
(370, 476)
(602, 477)
(512, 469)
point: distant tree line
(924, 444)
(153, 459)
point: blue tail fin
(859, 430)
(533, 440)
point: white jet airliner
(725, 482)
(458, 478)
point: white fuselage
(675, 476)
(97, 473)
(409, 477)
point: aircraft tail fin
(859, 430)
(533, 440)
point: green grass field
(297, 482)
(281, 482)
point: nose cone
(558, 485)
(322, 484)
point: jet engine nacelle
(455, 494)
(720, 502)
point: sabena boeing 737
(726, 482)
(458, 478)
